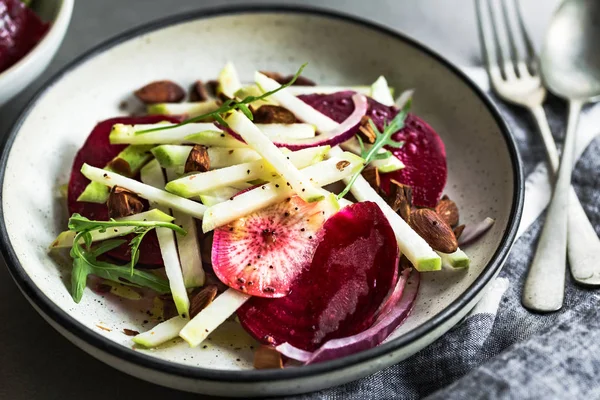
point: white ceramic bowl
(16, 78)
(484, 177)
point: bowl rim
(58, 26)
(97, 341)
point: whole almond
(266, 357)
(270, 114)
(448, 210)
(201, 298)
(431, 227)
(198, 92)
(160, 92)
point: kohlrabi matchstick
(175, 155)
(320, 174)
(161, 333)
(65, 239)
(190, 110)
(148, 192)
(152, 175)
(195, 184)
(188, 247)
(300, 109)
(420, 254)
(128, 162)
(240, 123)
(456, 260)
(380, 91)
(228, 81)
(209, 319)
(219, 195)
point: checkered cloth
(500, 350)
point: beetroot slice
(353, 270)
(423, 153)
(98, 152)
(263, 253)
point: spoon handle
(545, 283)
(582, 242)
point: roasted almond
(198, 92)
(201, 298)
(120, 166)
(400, 198)
(160, 92)
(365, 130)
(122, 203)
(458, 231)
(434, 230)
(198, 160)
(266, 357)
(371, 175)
(270, 114)
(448, 210)
(211, 87)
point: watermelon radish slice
(263, 253)
(423, 153)
(352, 273)
(97, 151)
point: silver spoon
(570, 66)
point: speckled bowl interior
(482, 176)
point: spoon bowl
(570, 60)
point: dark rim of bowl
(97, 341)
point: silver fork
(514, 76)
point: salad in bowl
(306, 213)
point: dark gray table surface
(35, 361)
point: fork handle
(544, 288)
(583, 243)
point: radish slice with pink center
(263, 253)
(352, 273)
(405, 291)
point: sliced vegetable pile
(222, 206)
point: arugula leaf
(381, 139)
(135, 247)
(228, 106)
(122, 274)
(78, 223)
(81, 270)
(85, 260)
(107, 245)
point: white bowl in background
(18, 76)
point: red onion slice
(341, 133)
(406, 289)
(472, 232)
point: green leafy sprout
(229, 105)
(381, 139)
(85, 256)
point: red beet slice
(352, 273)
(263, 253)
(97, 151)
(423, 153)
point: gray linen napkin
(500, 350)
